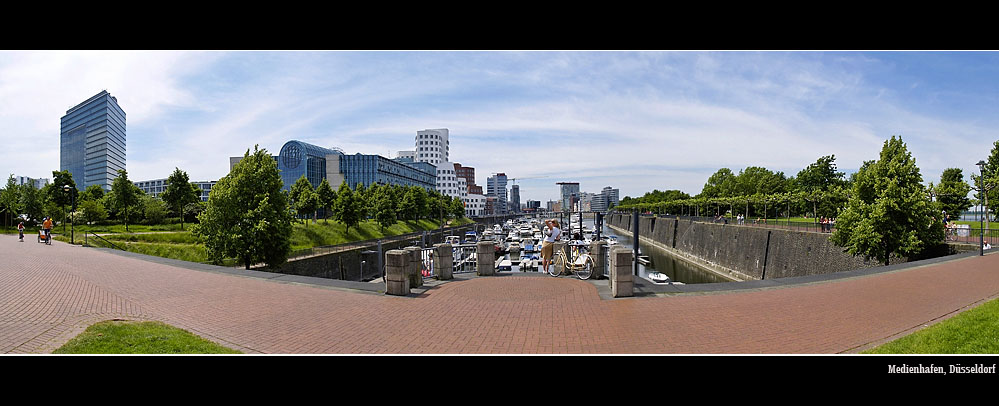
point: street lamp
(981, 189)
(72, 197)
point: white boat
(658, 277)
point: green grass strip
(148, 337)
(974, 331)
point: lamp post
(981, 189)
(72, 197)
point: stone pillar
(396, 273)
(443, 261)
(621, 279)
(485, 258)
(598, 251)
(415, 277)
(559, 246)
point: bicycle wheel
(559, 259)
(586, 270)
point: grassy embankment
(185, 246)
(974, 331)
(149, 337)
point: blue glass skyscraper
(92, 145)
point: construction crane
(514, 180)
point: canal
(662, 261)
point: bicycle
(582, 267)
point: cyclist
(20, 231)
(552, 232)
(47, 226)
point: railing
(463, 258)
(100, 241)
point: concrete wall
(346, 265)
(743, 251)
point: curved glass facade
(298, 158)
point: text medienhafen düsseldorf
(933, 369)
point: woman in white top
(552, 233)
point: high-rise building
(496, 187)
(432, 146)
(468, 173)
(515, 199)
(569, 195)
(37, 183)
(92, 142)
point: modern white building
(38, 183)
(475, 205)
(432, 146)
(157, 186)
(447, 180)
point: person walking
(20, 231)
(47, 226)
(552, 233)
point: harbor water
(662, 261)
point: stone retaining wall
(745, 251)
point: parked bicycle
(581, 266)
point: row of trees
(125, 202)
(883, 209)
(249, 217)
(384, 203)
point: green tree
(32, 202)
(345, 210)
(384, 211)
(817, 181)
(126, 195)
(363, 200)
(889, 212)
(301, 197)
(179, 192)
(247, 214)
(93, 211)
(991, 180)
(722, 183)
(58, 195)
(10, 200)
(952, 192)
(457, 208)
(154, 210)
(93, 192)
(326, 197)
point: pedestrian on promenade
(20, 231)
(551, 232)
(47, 226)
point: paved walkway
(44, 303)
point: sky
(635, 121)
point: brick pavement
(45, 303)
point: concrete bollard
(485, 258)
(415, 265)
(443, 261)
(559, 246)
(397, 272)
(598, 251)
(621, 280)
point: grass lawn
(148, 337)
(975, 331)
(183, 245)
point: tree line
(249, 217)
(883, 209)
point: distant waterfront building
(515, 199)
(607, 198)
(432, 146)
(37, 183)
(569, 195)
(447, 181)
(534, 204)
(475, 205)
(468, 173)
(92, 141)
(156, 187)
(496, 187)
(317, 163)
(407, 154)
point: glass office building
(92, 143)
(298, 158)
(316, 163)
